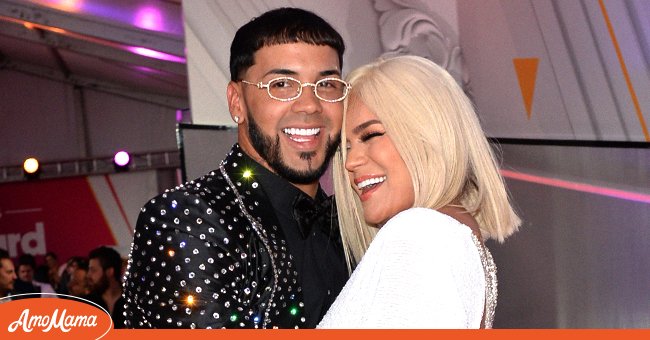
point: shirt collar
(280, 192)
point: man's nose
(308, 102)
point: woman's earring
(236, 118)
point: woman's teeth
(370, 181)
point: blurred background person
(51, 271)
(7, 276)
(78, 284)
(26, 283)
(104, 280)
(68, 269)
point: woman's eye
(367, 136)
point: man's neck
(310, 189)
(111, 295)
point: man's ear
(109, 272)
(236, 104)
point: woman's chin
(375, 221)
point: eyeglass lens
(327, 89)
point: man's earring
(236, 118)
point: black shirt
(118, 309)
(319, 259)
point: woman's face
(376, 170)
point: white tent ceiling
(131, 48)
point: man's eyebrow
(288, 72)
(364, 125)
(280, 71)
(330, 73)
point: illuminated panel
(155, 54)
(73, 6)
(149, 18)
(588, 188)
(153, 15)
(143, 51)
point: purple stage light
(149, 17)
(122, 158)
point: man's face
(71, 267)
(294, 139)
(7, 276)
(25, 273)
(51, 261)
(97, 278)
(78, 285)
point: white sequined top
(424, 269)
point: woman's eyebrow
(362, 126)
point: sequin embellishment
(491, 292)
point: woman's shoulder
(423, 222)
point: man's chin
(300, 172)
(307, 167)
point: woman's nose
(355, 158)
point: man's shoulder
(202, 187)
(45, 287)
(209, 182)
(206, 208)
(95, 299)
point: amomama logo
(58, 315)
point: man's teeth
(370, 182)
(301, 132)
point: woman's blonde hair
(438, 135)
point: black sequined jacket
(210, 254)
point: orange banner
(67, 317)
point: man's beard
(270, 151)
(101, 286)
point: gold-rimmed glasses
(286, 89)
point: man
(7, 276)
(78, 284)
(50, 271)
(69, 269)
(26, 283)
(237, 248)
(104, 272)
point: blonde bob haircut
(438, 135)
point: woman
(416, 176)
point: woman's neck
(460, 214)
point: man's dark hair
(108, 258)
(3, 255)
(80, 261)
(27, 260)
(52, 254)
(280, 26)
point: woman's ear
(236, 104)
